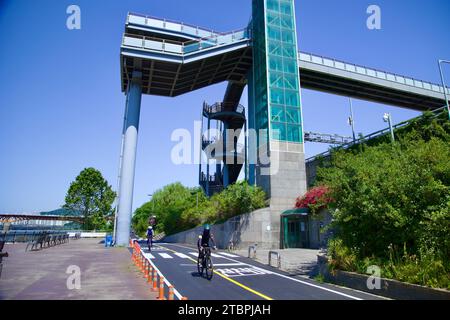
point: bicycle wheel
(200, 266)
(209, 268)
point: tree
(92, 196)
(178, 208)
(392, 195)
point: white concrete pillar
(126, 185)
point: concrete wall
(285, 182)
(244, 230)
(318, 238)
(389, 288)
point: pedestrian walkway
(301, 262)
(106, 273)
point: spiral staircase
(229, 155)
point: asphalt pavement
(239, 278)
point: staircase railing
(222, 107)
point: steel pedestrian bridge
(176, 58)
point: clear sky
(61, 107)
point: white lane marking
(310, 284)
(196, 253)
(293, 279)
(175, 291)
(229, 255)
(181, 255)
(149, 256)
(214, 255)
(216, 265)
(241, 272)
(165, 255)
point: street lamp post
(151, 199)
(351, 120)
(443, 84)
(388, 118)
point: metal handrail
(171, 21)
(278, 255)
(221, 106)
(185, 47)
(138, 36)
(206, 142)
(213, 179)
(376, 71)
(373, 135)
(26, 236)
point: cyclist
(150, 237)
(204, 239)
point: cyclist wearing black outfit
(204, 239)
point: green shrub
(179, 208)
(392, 205)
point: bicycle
(149, 244)
(204, 263)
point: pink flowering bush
(315, 199)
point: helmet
(207, 227)
(200, 236)
(150, 228)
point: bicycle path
(238, 278)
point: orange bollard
(150, 274)
(146, 269)
(171, 294)
(155, 280)
(161, 289)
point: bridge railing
(170, 25)
(371, 72)
(177, 47)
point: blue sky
(61, 107)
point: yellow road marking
(229, 279)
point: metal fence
(371, 72)
(19, 236)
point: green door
(293, 233)
(297, 232)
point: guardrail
(278, 255)
(223, 107)
(2, 255)
(26, 236)
(154, 277)
(372, 135)
(171, 25)
(170, 46)
(371, 72)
